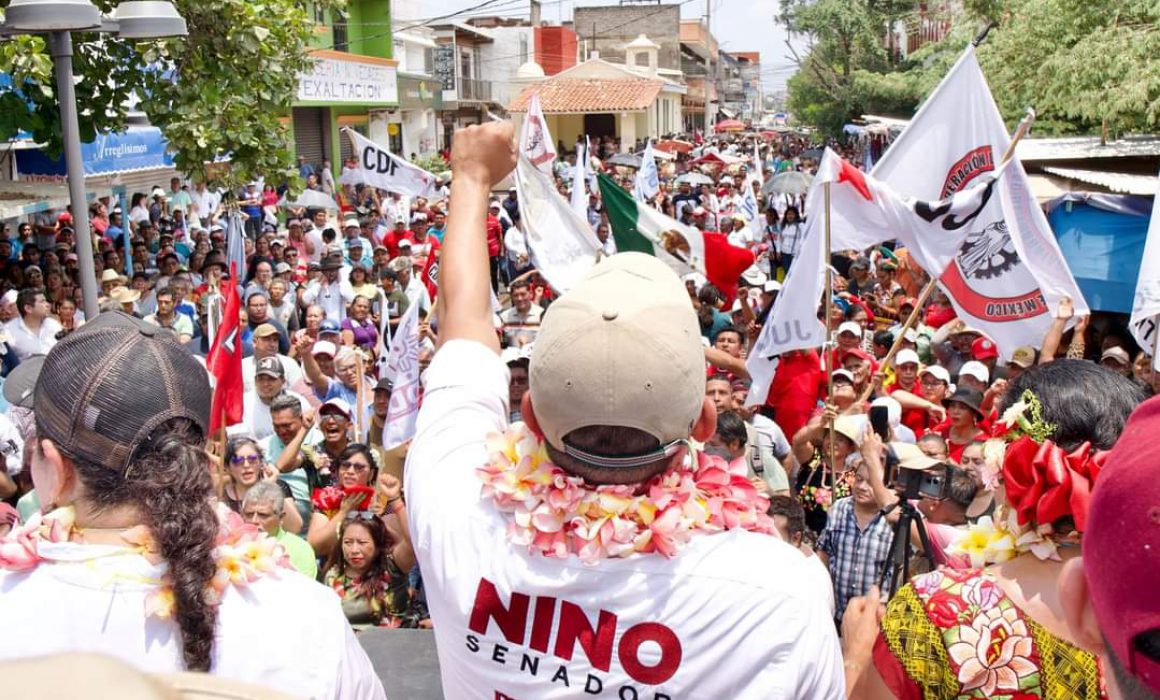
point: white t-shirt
(289, 364)
(734, 615)
(283, 630)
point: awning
(1125, 183)
(138, 148)
(21, 199)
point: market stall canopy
(729, 125)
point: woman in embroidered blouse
(364, 574)
(999, 632)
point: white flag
(562, 245)
(384, 170)
(1009, 273)
(647, 179)
(748, 207)
(535, 140)
(403, 371)
(579, 174)
(1146, 305)
(863, 213)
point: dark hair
(286, 402)
(371, 584)
(731, 428)
(519, 284)
(163, 292)
(719, 377)
(883, 338)
(26, 297)
(168, 479)
(1084, 401)
(610, 441)
(359, 448)
(729, 329)
(852, 311)
(237, 443)
(934, 438)
(791, 509)
(708, 296)
(961, 487)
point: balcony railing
(472, 90)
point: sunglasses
(238, 460)
(353, 466)
(360, 515)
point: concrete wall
(499, 61)
(615, 26)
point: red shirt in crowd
(794, 392)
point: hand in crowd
(484, 153)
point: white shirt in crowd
(734, 615)
(333, 297)
(515, 243)
(24, 342)
(289, 365)
(83, 600)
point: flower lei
(1043, 484)
(558, 515)
(243, 553)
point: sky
(739, 25)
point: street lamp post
(60, 45)
(134, 19)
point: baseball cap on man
(270, 367)
(328, 326)
(1121, 542)
(265, 330)
(336, 405)
(633, 308)
(1024, 356)
(984, 349)
(103, 390)
(938, 372)
(324, 347)
(850, 327)
(1117, 355)
(906, 357)
(978, 370)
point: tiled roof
(576, 95)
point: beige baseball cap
(621, 348)
(1023, 356)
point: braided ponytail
(169, 481)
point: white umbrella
(695, 179)
(313, 199)
(793, 182)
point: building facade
(354, 74)
(699, 66)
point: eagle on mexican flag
(640, 228)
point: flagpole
(1008, 154)
(360, 397)
(827, 348)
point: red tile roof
(577, 95)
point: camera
(912, 484)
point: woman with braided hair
(131, 556)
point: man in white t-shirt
(616, 389)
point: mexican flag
(640, 228)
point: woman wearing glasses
(246, 466)
(357, 466)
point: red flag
(724, 264)
(225, 363)
(430, 273)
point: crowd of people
(631, 387)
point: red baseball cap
(64, 216)
(1121, 544)
(984, 349)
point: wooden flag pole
(1008, 154)
(360, 398)
(828, 347)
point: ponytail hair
(168, 481)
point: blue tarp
(137, 148)
(1103, 248)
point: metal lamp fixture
(37, 16)
(148, 19)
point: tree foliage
(1086, 66)
(222, 92)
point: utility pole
(710, 76)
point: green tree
(222, 92)
(841, 76)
